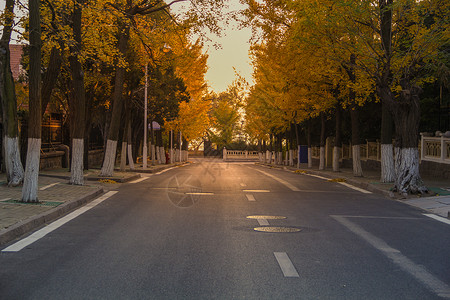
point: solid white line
(417, 271)
(355, 188)
(16, 247)
(139, 180)
(286, 264)
(250, 197)
(48, 186)
(200, 194)
(163, 171)
(287, 184)
(441, 219)
(317, 176)
(263, 222)
(256, 191)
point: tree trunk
(50, 76)
(12, 162)
(309, 144)
(30, 184)
(338, 139)
(356, 143)
(407, 118)
(123, 156)
(387, 153)
(78, 101)
(297, 137)
(129, 141)
(111, 145)
(322, 142)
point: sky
(233, 53)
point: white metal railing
(239, 154)
(435, 149)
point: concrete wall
(56, 159)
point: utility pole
(145, 151)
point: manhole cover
(277, 229)
(266, 217)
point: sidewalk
(437, 201)
(56, 197)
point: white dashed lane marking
(263, 222)
(250, 197)
(286, 265)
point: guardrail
(436, 149)
(240, 154)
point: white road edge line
(16, 247)
(417, 271)
(48, 186)
(139, 180)
(256, 191)
(355, 188)
(250, 197)
(263, 222)
(286, 265)
(317, 176)
(163, 171)
(441, 219)
(287, 184)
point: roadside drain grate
(43, 203)
(277, 229)
(266, 217)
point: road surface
(186, 234)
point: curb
(158, 169)
(27, 225)
(95, 178)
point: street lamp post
(145, 151)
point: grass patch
(108, 181)
(337, 180)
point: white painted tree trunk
(130, 157)
(322, 158)
(158, 151)
(76, 169)
(356, 156)
(336, 156)
(163, 155)
(291, 158)
(309, 158)
(387, 163)
(408, 178)
(110, 157)
(123, 157)
(14, 169)
(152, 147)
(30, 182)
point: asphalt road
(184, 234)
